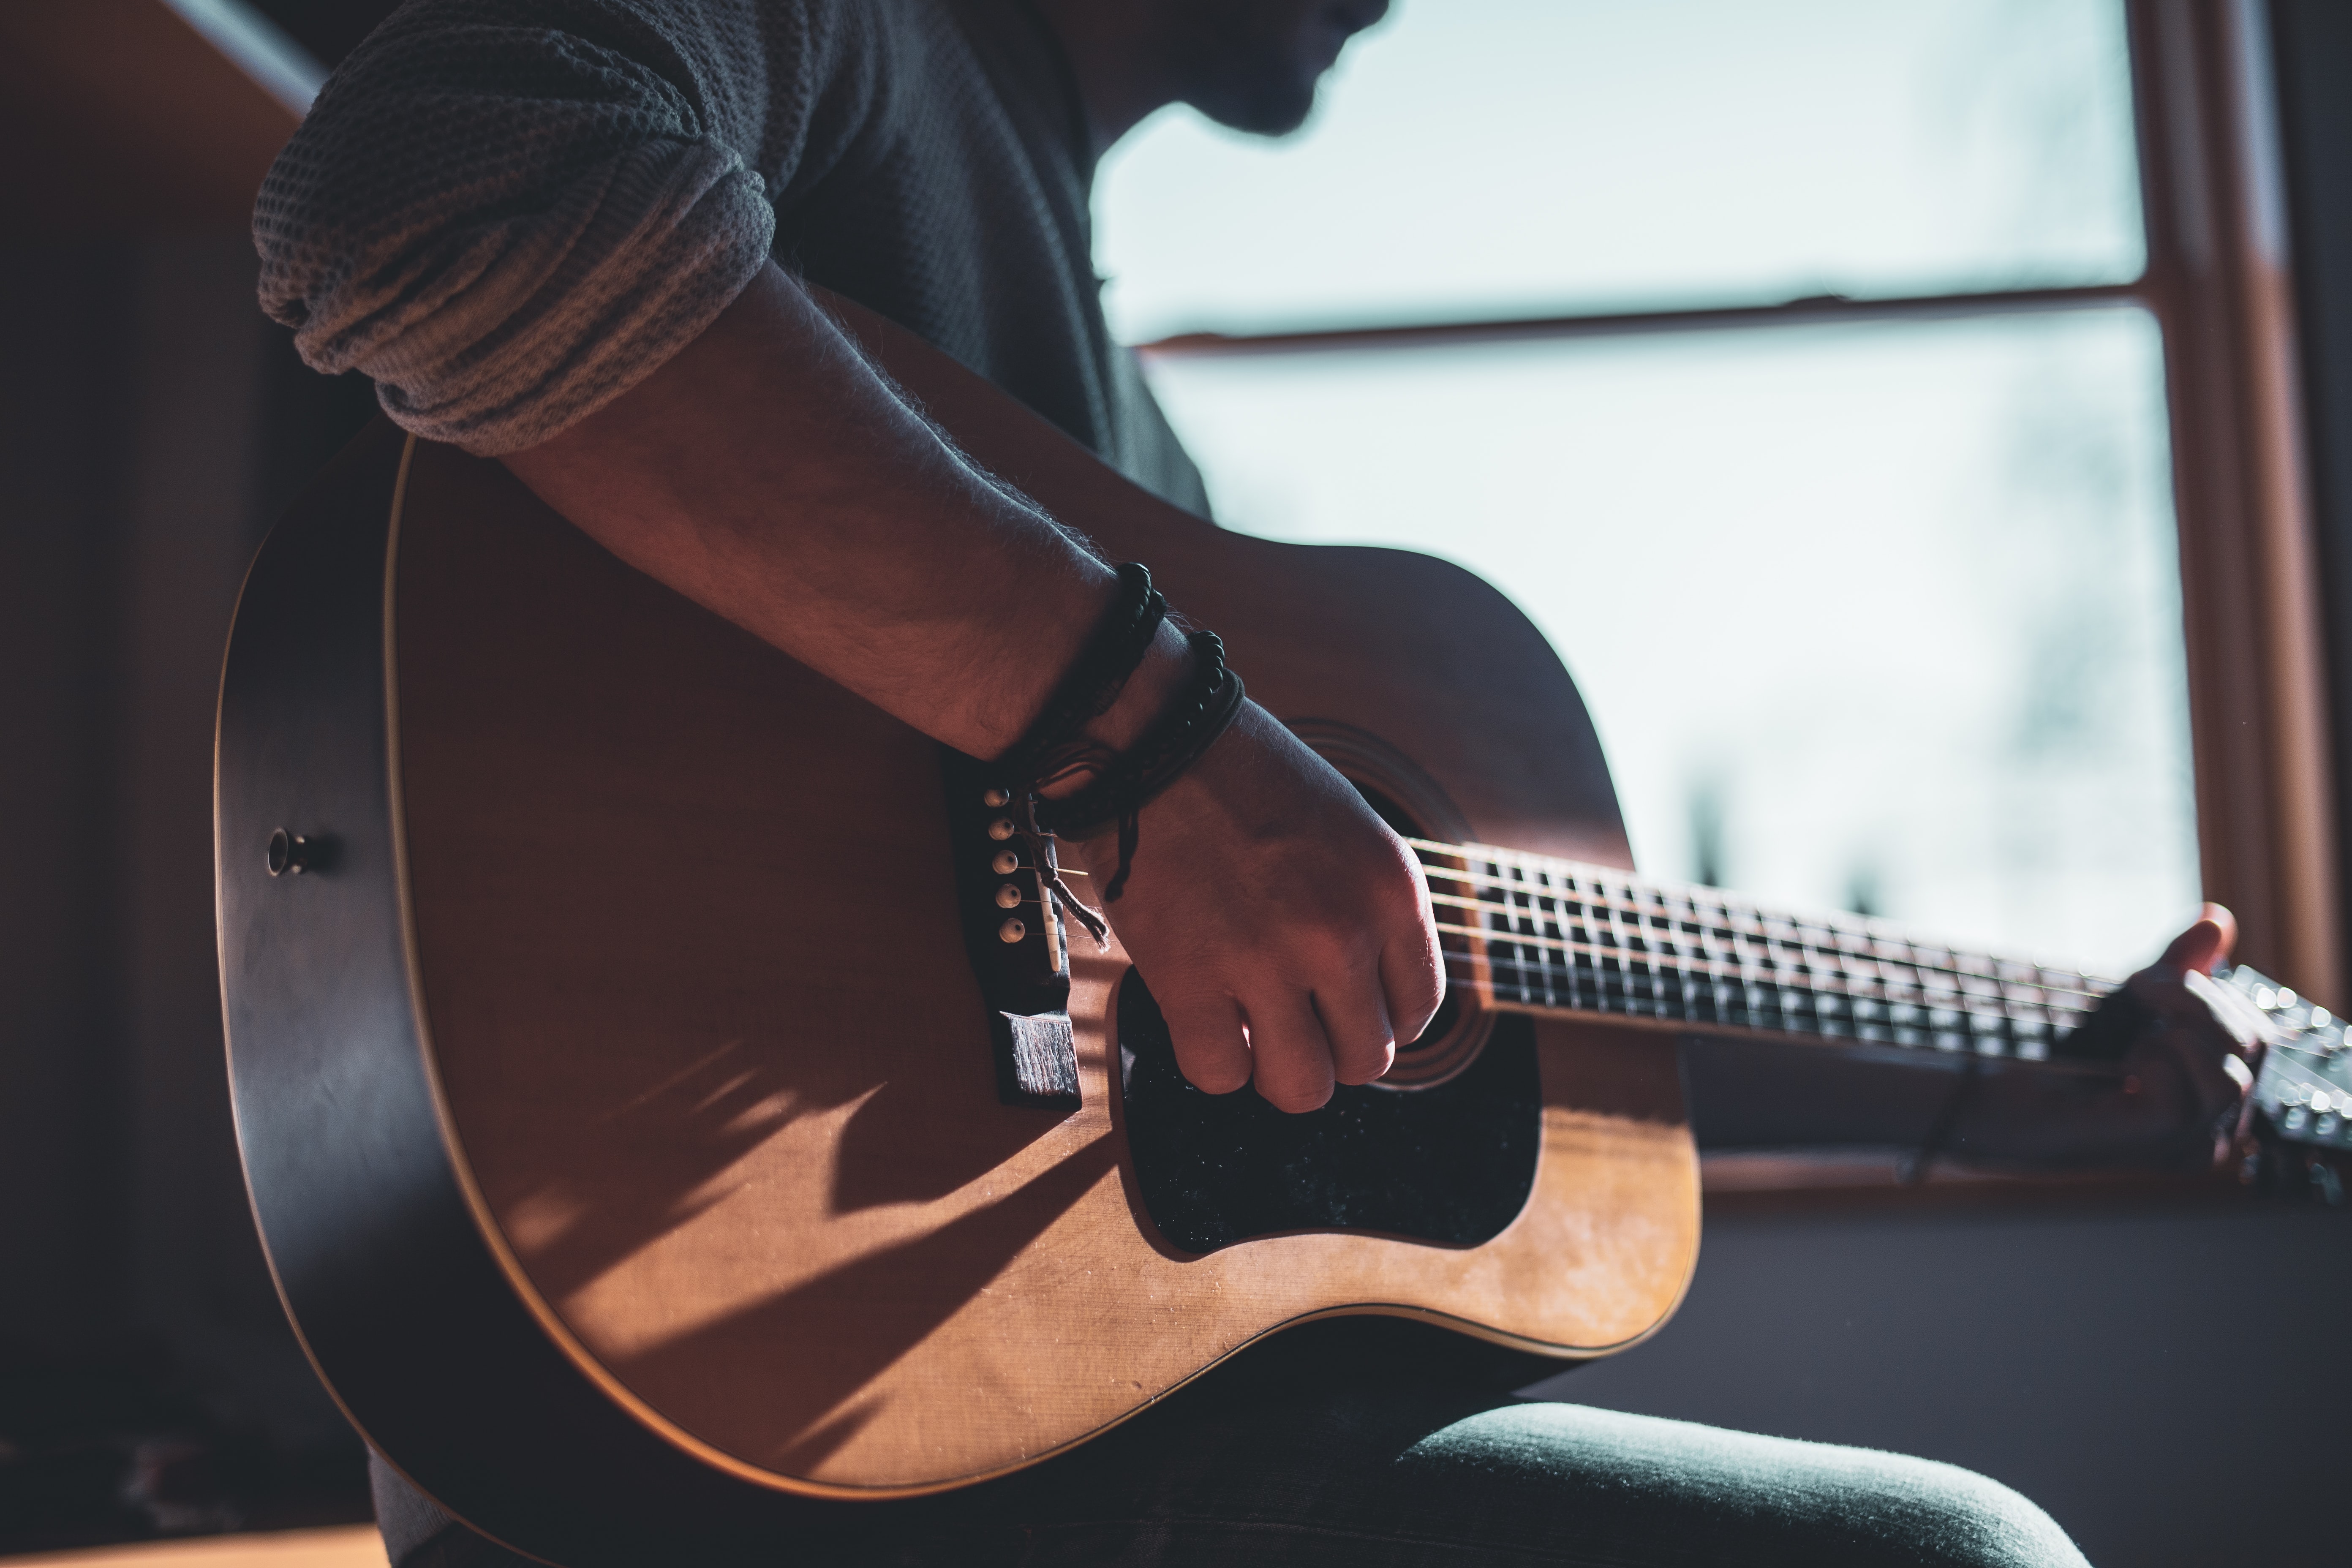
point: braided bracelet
(1095, 676)
(1125, 784)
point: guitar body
(617, 1097)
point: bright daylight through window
(1878, 615)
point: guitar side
(642, 1119)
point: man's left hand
(2187, 1048)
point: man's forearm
(769, 473)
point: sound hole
(1452, 1040)
(1452, 1164)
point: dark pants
(1378, 1470)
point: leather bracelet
(1096, 677)
(1124, 784)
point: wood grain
(712, 1054)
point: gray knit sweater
(508, 211)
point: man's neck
(1121, 67)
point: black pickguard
(1451, 1165)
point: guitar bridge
(1015, 933)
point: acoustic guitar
(670, 1111)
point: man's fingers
(2228, 1012)
(1211, 1048)
(1356, 1024)
(1412, 979)
(1291, 1060)
(2204, 946)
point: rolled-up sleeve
(509, 213)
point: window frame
(2219, 285)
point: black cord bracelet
(1095, 676)
(1125, 784)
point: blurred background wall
(151, 423)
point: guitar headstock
(2304, 1088)
(2301, 1096)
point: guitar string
(1778, 1020)
(1672, 922)
(1698, 1003)
(1685, 950)
(1625, 999)
(1692, 989)
(1601, 885)
(1733, 922)
(1606, 878)
(1861, 1032)
(1720, 967)
(1852, 965)
(1768, 953)
(1721, 920)
(1566, 977)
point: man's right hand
(1285, 931)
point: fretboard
(1533, 934)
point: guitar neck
(1530, 933)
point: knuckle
(1292, 1077)
(1209, 1052)
(1211, 1062)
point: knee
(1603, 1476)
(1920, 1510)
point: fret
(1621, 973)
(1541, 934)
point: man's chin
(1262, 108)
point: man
(573, 233)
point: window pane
(1481, 158)
(1881, 616)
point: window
(1844, 387)
(1499, 158)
